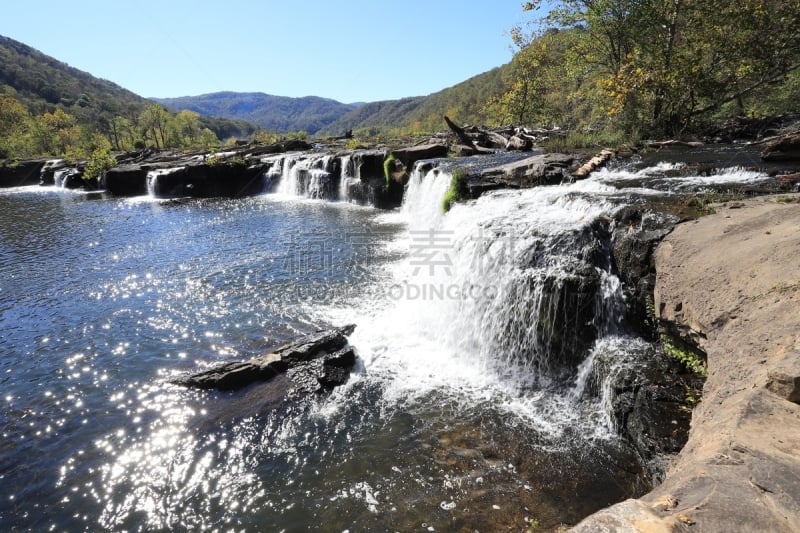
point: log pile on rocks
(471, 140)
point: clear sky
(351, 51)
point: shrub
(691, 358)
(100, 161)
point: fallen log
(673, 142)
(462, 135)
(784, 148)
(315, 362)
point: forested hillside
(465, 102)
(272, 113)
(607, 70)
(50, 108)
(654, 67)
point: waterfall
(309, 176)
(351, 175)
(158, 187)
(60, 176)
(288, 184)
(422, 204)
(496, 297)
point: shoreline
(731, 283)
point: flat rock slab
(318, 361)
(542, 169)
(731, 281)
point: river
(467, 409)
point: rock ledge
(731, 282)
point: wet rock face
(651, 399)
(637, 233)
(125, 180)
(228, 179)
(22, 173)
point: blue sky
(351, 51)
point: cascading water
(309, 176)
(501, 299)
(351, 175)
(158, 188)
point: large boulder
(125, 180)
(409, 156)
(541, 169)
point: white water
(351, 174)
(60, 176)
(153, 177)
(678, 177)
(475, 308)
(308, 176)
(458, 313)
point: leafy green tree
(154, 122)
(99, 160)
(662, 63)
(14, 125)
(208, 140)
(186, 126)
(55, 133)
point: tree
(186, 126)
(55, 133)
(14, 123)
(154, 120)
(662, 63)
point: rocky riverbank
(730, 283)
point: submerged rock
(313, 363)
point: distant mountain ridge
(465, 102)
(272, 113)
(42, 84)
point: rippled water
(103, 300)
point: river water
(461, 414)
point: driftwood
(784, 148)
(460, 133)
(673, 142)
(594, 163)
(317, 361)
